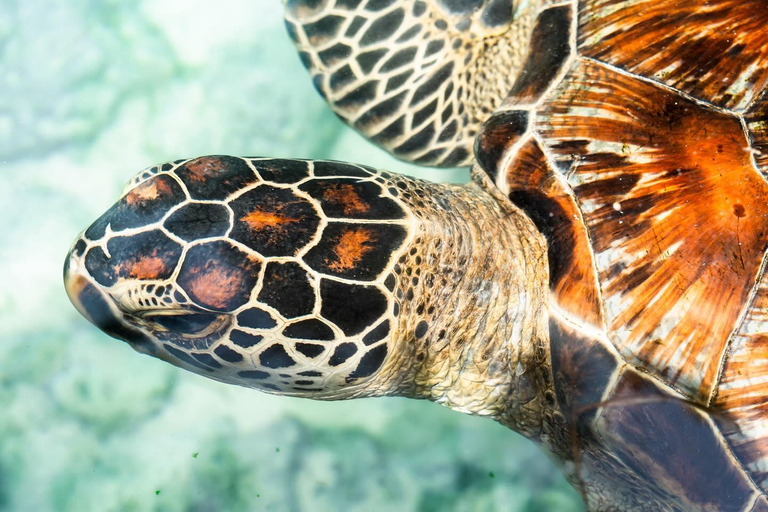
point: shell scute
(666, 188)
(689, 462)
(716, 51)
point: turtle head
(274, 274)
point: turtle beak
(97, 306)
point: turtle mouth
(98, 308)
(186, 328)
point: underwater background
(91, 92)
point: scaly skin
(482, 298)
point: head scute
(252, 275)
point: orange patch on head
(201, 168)
(215, 284)
(149, 267)
(346, 196)
(147, 191)
(352, 246)
(258, 220)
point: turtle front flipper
(312, 278)
(417, 78)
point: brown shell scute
(667, 189)
(689, 461)
(716, 51)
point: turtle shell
(636, 139)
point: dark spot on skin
(342, 353)
(367, 60)
(498, 13)
(461, 6)
(369, 363)
(448, 132)
(381, 111)
(243, 339)
(390, 132)
(396, 82)
(383, 28)
(276, 357)
(342, 77)
(409, 34)
(324, 29)
(256, 318)
(425, 113)
(399, 59)
(78, 249)
(355, 26)
(227, 354)
(207, 360)
(310, 373)
(253, 374)
(378, 5)
(310, 350)
(429, 87)
(334, 54)
(377, 334)
(417, 142)
(286, 288)
(311, 329)
(185, 357)
(359, 97)
(421, 329)
(352, 307)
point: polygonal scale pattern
(417, 78)
(274, 270)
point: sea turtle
(598, 287)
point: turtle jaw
(96, 306)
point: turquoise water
(91, 91)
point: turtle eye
(185, 323)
